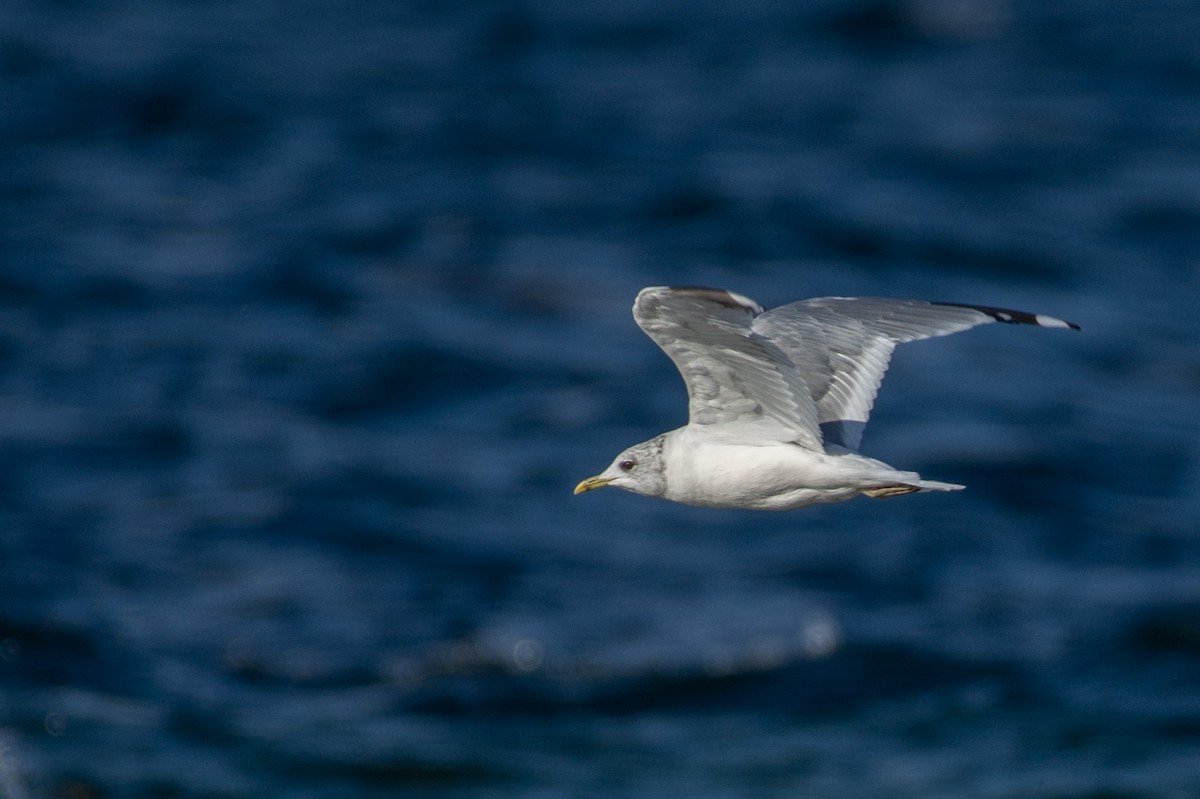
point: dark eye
(626, 465)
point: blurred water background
(312, 314)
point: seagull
(777, 400)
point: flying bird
(777, 400)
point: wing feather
(842, 346)
(739, 382)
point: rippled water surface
(312, 314)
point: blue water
(312, 314)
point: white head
(639, 469)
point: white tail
(934, 485)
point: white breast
(701, 470)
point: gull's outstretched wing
(842, 345)
(739, 383)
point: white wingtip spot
(744, 301)
(1050, 321)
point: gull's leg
(883, 492)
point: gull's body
(704, 471)
(777, 399)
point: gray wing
(740, 385)
(842, 345)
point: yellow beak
(592, 482)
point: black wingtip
(1012, 317)
(728, 299)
